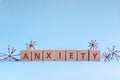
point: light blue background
(59, 24)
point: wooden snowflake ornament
(106, 56)
(10, 56)
(93, 45)
(114, 53)
(31, 45)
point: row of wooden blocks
(60, 55)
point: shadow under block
(48, 55)
(59, 55)
(37, 55)
(82, 55)
(94, 55)
(26, 55)
(71, 55)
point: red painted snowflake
(93, 45)
(114, 53)
(31, 45)
(10, 56)
(106, 56)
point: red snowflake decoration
(93, 45)
(31, 45)
(10, 55)
(106, 56)
(114, 53)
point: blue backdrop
(59, 24)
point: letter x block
(94, 55)
(25, 55)
(48, 55)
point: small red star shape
(106, 56)
(31, 45)
(93, 45)
(114, 53)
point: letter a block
(94, 55)
(37, 55)
(25, 55)
(59, 55)
(83, 55)
(48, 55)
(71, 55)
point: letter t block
(82, 55)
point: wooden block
(82, 55)
(94, 55)
(36, 55)
(48, 55)
(71, 55)
(25, 55)
(59, 55)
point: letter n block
(71, 55)
(82, 55)
(25, 55)
(94, 55)
(59, 55)
(37, 55)
(48, 55)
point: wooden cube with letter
(26, 55)
(48, 55)
(82, 55)
(94, 55)
(36, 55)
(71, 55)
(59, 55)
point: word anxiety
(31, 54)
(60, 55)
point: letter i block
(25, 55)
(71, 55)
(82, 55)
(48, 55)
(37, 55)
(94, 55)
(59, 55)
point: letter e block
(48, 55)
(94, 55)
(25, 55)
(82, 55)
(71, 55)
(60, 55)
(37, 55)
